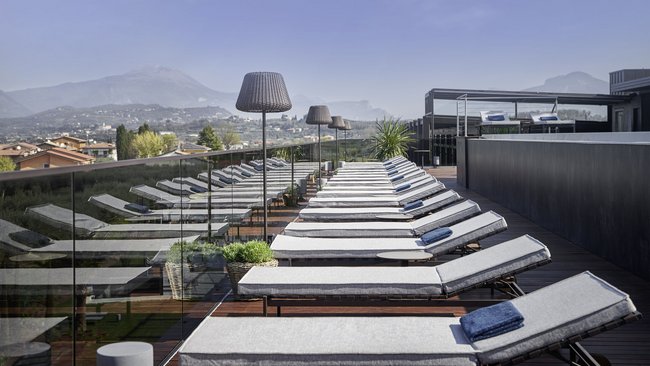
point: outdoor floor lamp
(318, 115)
(337, 124)
(345, 134)
(263, 92)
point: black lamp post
(337, 124)
(263, 92)
(318, 115)
(345, 132)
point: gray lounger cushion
(328, 341)
(375, 213)
(450, 277)
(386, 229)
(465, 232)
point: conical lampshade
(347, 126)
(337, 122)
(263, 92)
(318, 115)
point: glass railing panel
(37, 291)
(127, 219)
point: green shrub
(254, 251)
(183, 251)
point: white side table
(125, 354)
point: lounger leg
(278, 312)
(578, 355)
(265, 305)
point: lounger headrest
(548, 118)
(393, 172)
(225, 180)
(396, 178)
(412, 205)
(246, 174)
(435, 235)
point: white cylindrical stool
(125, 354)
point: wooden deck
(627, 345)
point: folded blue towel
(137, 208)
(393, 172)
(491, 321)
(402, 187)
(198, 189)
(548, 118)
(388, 163)
(396, 178)
(246, 174)
(496, 117)
(435, 235)
(411, 205)
(225, 180)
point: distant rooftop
(629, 80)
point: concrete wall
(594, 194)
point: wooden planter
(237, 270)
(176, 274)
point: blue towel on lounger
(198, 189)
(246, 174)
(396, 178)
(137, 208)
(491, 321)
(411, 205)
(435, 235)
(402, 187)
(393, 172)
(226, 180)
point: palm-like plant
(391, 140)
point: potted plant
(291, 195)
(391, 140)
(241, 257)
(182, 259)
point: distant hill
(131, 115)
(150, 85)
(10, 108)
(360, 110)
(155, 85)
(574, 82)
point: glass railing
(128, 251)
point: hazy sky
(387, 52)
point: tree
(122, 142)
(170, 142)
(229, 137)
(144, 128)
(207, 137)
(6, 164)
(148, 144)
(391, 139)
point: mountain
(360, 110)
(10, 108)
(574, 82)
(155, 85)
(150, 85)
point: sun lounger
(17, 330)
(399, 199)
(86, 226)
(378, 191)
(118, 278)
(422, 179)
(378, 213)
(397, 283)
(463, 233)
(365, 180)
(384, 229)
(497, 118)
(168, 200)
(557, 315)
(123, 208)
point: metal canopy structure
(527, 96)
(515, 97)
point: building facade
(630, 116)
